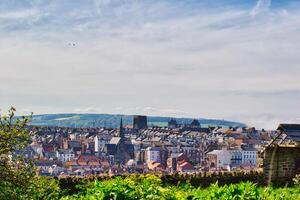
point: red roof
(88, 158)
(186, 166)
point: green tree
(16, 172)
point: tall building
(172, 123)
(120, 148)
(139, 122)
(195, 124)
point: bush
(43, 188)
(152, 187)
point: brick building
(281, 157)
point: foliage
(18, 174)
(15, 171)
(44, 188)
(151, 187)
(75, 184)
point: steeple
(122, 135)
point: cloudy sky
(229, 59)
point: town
(137, 148)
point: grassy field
(152, 187)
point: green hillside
(113, 120)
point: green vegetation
(113, 121)
(152, 187)
(15, 172)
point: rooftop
(115, 140)
(291, 130)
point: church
(120, 148)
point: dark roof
(291, 130)
(172, 122)
(195, 123)
(287, 133)
(204, 130)
(111, 149)
(65, 151)
(249, 149)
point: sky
(230, 59)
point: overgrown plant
(15, 171)
(151, 187)
(18, 179)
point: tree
(16, 172)
(18, 177)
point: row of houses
(169, 149)
(244, 158)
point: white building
(233, 158)
(100, 143)
(249, 156)
(65, 155)
(153, 154)
(219, 158)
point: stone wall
(280, 164)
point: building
(139, 122)
(119, 149)
(195, 155)
(179, 162)
(195, 124)
(85, 165)
(100, 142)
(219, 159)
(236, 158)
(281, 157)
(75, 146)
(27, 152)
(172, 123)
(249, 156)
(65, 155)
(153, 154)
(185, 167)
(154, 166)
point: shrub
(151, 187)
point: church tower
(121, 131)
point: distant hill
(113, 120)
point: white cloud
(88, 110)
(266, 120)
(162, 111)
(261, 6)
(158, 58)
(15, 15)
